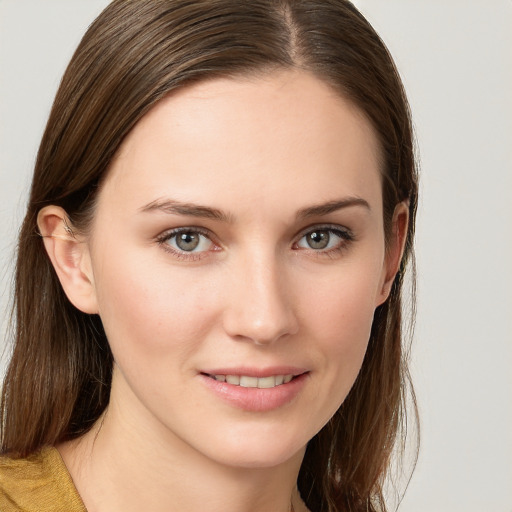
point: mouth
(247, 381)
(256, 390)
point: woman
(210, 268)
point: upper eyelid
(171, 233)
(168, 233)
(211, 236)
(326, 226)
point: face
(237, 256)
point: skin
(254, 294)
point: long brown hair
(133, 55)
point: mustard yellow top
(39, 483)
(42, 483)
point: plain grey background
(455, 57)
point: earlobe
(395, 248)
(70, 258)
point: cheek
(341, 307)
(153, 309)
(340, 320)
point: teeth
(232, 379)
(266, 382)
(248, 382)
(254, 382)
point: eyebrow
(189, 209)
(174, 207)
(332, 206)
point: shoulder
(38, 483)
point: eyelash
(184, 255)
(345, 236)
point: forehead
(249, 139)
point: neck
(121, 466)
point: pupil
(187, 241)
(318, 239)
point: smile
(247, 381)
(256, 390)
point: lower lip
(256, 399)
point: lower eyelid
(345, 238)
(166, 236)
(344, 235)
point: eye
(186, 240)
(324, 238)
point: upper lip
(256, 372)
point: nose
(261, 308)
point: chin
(256, 451)
(260, 458)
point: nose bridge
(261, 308)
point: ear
(394, 250)
(70, 258)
